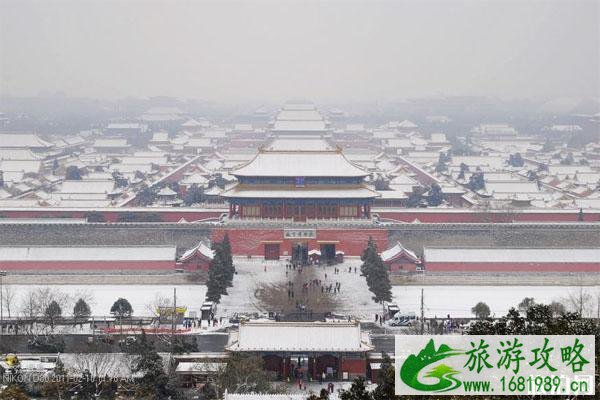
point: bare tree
(34, 304)
(94, 368)
(8, 297)
(580, 301)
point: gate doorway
(328, 253)
(300, 253)
(271, 251)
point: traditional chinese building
(399, 258)
(300, 179)
(337, 349)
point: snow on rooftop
(201, 249)
(88, 186)
(17, 154)
(126, 125)
(22, 140)
(166, 191)
(299, 163)
(395, 251)
(299, 336)
(299, 144)
(514, 255)
(110, 143)
(406, 124)
(26, 166)
(90, 253)
(300, 126)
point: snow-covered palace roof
(299, 336)
(201, 250)
(396, 251)
(300, 163)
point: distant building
(25, 141)
(299, 180)
(300, 118)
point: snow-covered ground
(354, 298)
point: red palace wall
(402, 266)
(354, 366)
(88, 265)
(513, 267)
(251, 241)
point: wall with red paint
(251, 241)
(354, 366)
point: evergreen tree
(516, 160)
(463, 169)
(415, 198)
(228, 260)
(476, 181)
(195, 194)
(358, 391)
(532, 175)
(72, 173)
(57, 387)
(323, 395)
(148, 363)
(121, 308)
(376, 273)
(435, 197)
(379, 281)
(52, 313)
(81, 310)
(217, 275)
(481, 310)
(367, 256)
(385, 380)
(442, 160)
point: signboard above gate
(300, 233)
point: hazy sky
(323, 50)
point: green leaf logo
(413, 365)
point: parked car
(403, 319)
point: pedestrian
(376, 317)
